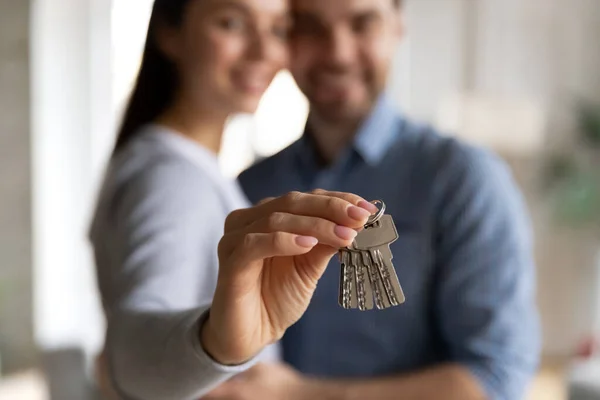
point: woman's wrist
(214, 348)
(209, 343)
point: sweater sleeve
(164, 224)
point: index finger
(342, 208)
(350, 197)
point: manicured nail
(306, 241)
(358, 214)
(343, 232)
(370, 207)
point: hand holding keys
(271, 257)
(367, 274)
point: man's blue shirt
(463, 258)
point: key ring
(377, 216)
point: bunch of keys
(368, 277)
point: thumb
(317, 260)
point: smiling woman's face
(227, 52)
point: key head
(381, 234)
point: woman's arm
(270, 259)
(166, 221)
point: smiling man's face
(341, 53)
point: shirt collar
(373, 137)
(378, 131)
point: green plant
(589, 124)
(572, 175)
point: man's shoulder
(448, 153)
(269, 164)
(264, 177)
(466, 177)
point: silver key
(347, 292)
(355, 289)
(375, 284)
(367, 275)
(376, 240)
(364, 293)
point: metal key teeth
(390, 291)
(347, 293)
(386, 278)
(366, 276)
(375, 285)
(360, 288)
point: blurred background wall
(505, 74)
(16, 240)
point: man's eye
(364, 24)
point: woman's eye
(232, 23)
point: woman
(162, 252)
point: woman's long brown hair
(157, 79)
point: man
(469, 327)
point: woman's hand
(271, 257)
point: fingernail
(306, 241)
(358, 214)
(372, 208)
(343, 232)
